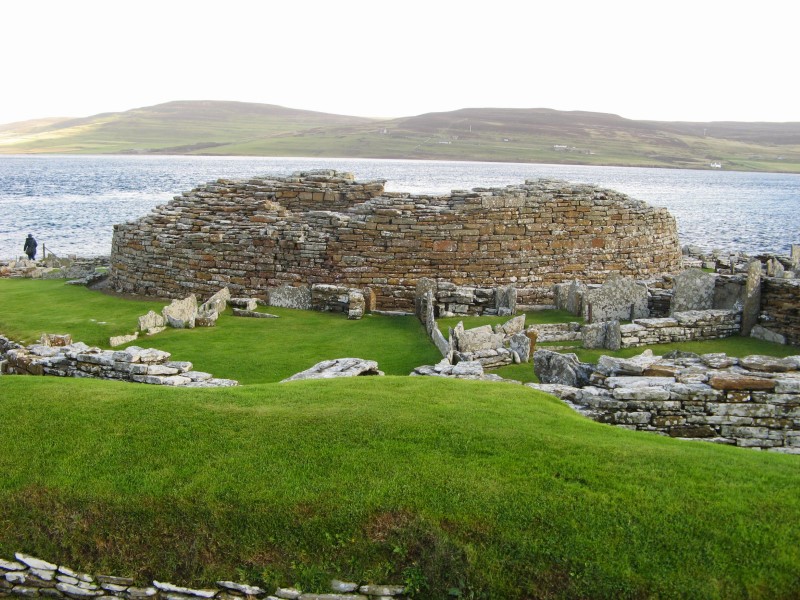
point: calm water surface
(70, 203)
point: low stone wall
(133, 364)
(337, 298)
(557, 332)
(753, 402)
(30, 577)
(54, 268)
(694, 325)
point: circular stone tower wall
(325, 227)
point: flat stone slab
(338, 367)
(35, 563)
(736, 381)
(168, 587)
(75, 591)
(632, 382)
(462, 370)
(768, 364)
(635, 365)
(241, 312)
(10, 565)
(247, 590)
(382, 590)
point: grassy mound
(476, 489)
(484, 487)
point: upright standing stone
(425, 292)
(693, 290)
(521, 344)
(370, 299)
(287, 296)
(575, 295)
(795, 256)
(774, 268)
(619, 298)
(181, 314)
(355, 305)
(506, 300)
(217, 303)
(606, 334)
(560, 295)
(752, 297)
(152, 322)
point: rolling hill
(487, 134)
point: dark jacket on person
(30, 246)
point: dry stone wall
(780, 309)
(752, 402)
(692, 325)
(325, 227)
(30, 577)
(76, 359)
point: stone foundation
(326, 228)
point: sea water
(70, 203)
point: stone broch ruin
(261, 237)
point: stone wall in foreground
(31, 577)
(324, 227)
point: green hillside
(487, 134)
(171, 128)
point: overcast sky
(646, 59)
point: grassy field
(457, 488)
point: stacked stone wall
(693, 325)
(780, 308)
(752, 402)
(134, 364)
(30, 577)
(263, 233)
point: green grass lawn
(460, 488)
(248, 350)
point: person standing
(30, 247)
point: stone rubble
(30, 577)
(462, 370)
(490, 346)
(181, 314)
(133, 364)
(82, 271)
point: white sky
(646, 59)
